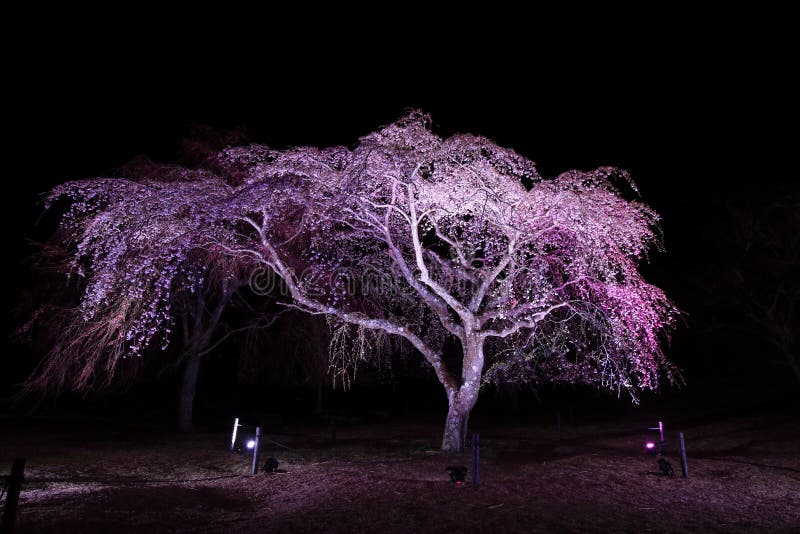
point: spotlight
(271, 466)
(656, 447)
(666, 468)
(457, 473)
(251, 444)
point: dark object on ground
(271, 465)
(458, 473)
(666, 468)
(12, 488)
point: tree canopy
(406, 234)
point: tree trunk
(454, 430)
(188, 390)
(793, 361)
(318, 408)
(462, 401)
(196, 340)
(514, 394)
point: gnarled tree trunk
(462, 400)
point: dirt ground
(389, 477)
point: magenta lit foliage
(407, 234)
(456, 243)
(137, 247)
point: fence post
(256, 446)
(684, 463)
(12, 496)
(476, 456)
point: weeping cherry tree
(407, 236)
(435, 240)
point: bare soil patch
(744, 477)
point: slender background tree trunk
(188, 391)
(196, 340)
(792, 361)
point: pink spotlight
(650, 445)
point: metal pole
(254, 469)
(12, 496)
(476, 456)
(233, 435)
(661, 430)
(684, 463)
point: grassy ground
(744, 477)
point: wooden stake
(12, 496)
(684, 463)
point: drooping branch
(304, 302)
(427, 239)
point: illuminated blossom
(430, 240)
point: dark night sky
(692, 124)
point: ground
(389, 477)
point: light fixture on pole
(236, 426)
(656, 447)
